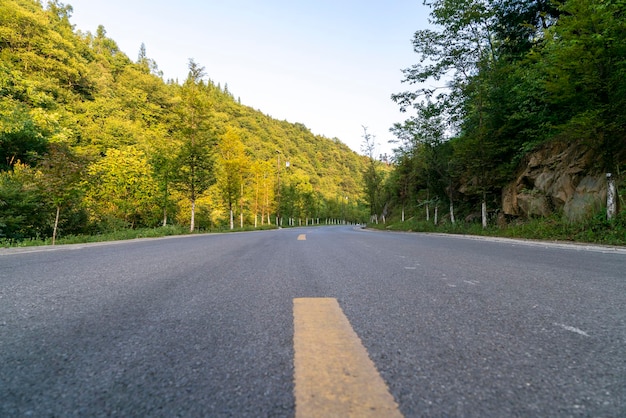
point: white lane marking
(572, 329)
(410, 268)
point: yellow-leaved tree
(233, 166)
(121, 191)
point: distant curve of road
(203, 325)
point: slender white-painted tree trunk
(483, 211)
(192, 225)
(611, 197)
(56, 225)
(451, 212)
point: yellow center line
(302, 237)
(334, 377)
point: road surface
(204, 325)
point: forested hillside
(518, 107)
(92, 140)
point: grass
(597, 230)
(119, 235)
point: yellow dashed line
(334, 377)
(302, 237)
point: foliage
(496, 79)
(22, 213)
(232, 169)
(119, 188)
(595, 230)
(92, 141)
(372, 175)
(584, 63)
(121, 234)
(60, 173)
(194, 159)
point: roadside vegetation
(123, 234)
(595, 230)
(96, 145)
(499, 89)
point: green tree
(60, 175)
(20, 137)
(264, 173)
(120, 191)
(22, 213)
(584, 62)
(232, 167)
(422, 159)
(465, 52)
(372, 176)
(195, 157)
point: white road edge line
(572, 329)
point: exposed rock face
(557, 178)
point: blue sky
(329, 64)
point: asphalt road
(203, 325)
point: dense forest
(92, 141)
(495, 81)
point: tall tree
(232, 166)
(584, 62)
(462, 52)
(120, 191)
(195, 156)
(61, 172)
(422, 154)
(371, 176)
(22, 211)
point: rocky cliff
(559, 177)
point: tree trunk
(165, 194)
(192, 226)
(483, 211)
(451, 212)
(611, 201)
(232, 220)
(56, 225)
(436, 214)
(241, 206)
